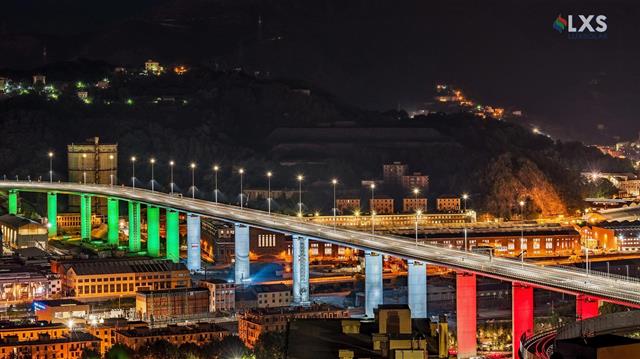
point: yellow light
(334, 181)
(50, 154)
(193, 165)
(241, 171)
(171, 163)
(153, 160)
(216, 168)
(269, 174)
(416, 191)
(419, 212)
(133, 158)
(521, 203)
(110, 157)
(373, 185)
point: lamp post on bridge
(133, 172)
(465, 197)
(241, 171)
(269, 174)
(300, 178)
(171, 164)
(373, 212)
(522, 250)
(334, 182)
(153, 162)
(111, 171)
(418, 214)
(215, 182)
(50, 167)
(193, 180)
(84, 170)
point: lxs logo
(582, 26)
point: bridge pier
(113, 222)
(85, 216)
(153, 231)
(173, 236)
(193, 242)
(466, 314)
(242, 264)
(586, 307)
(373, 291)
(300, 270)
(417, 288)
(134, 226)
(522, 313)
(13, 202)
(52, 213)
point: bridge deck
(558, 279)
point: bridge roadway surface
(556, 279)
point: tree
(119, 351)
(89, 353)
(232, 347)
(270, 345)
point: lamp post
(216, 168)
(193, 180)
(300, 178)
(241, 171)
(153, 162)
(50, 167)
(373, 227)
(84, 170)
(133, 172)
(464, 198)
(269, 174)
(522, 250)
(111, 170)
(171, 164)
(416, 191)
(418, 214)
(334, 182)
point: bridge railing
(598, 273)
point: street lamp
(84, 170)
(111, 170)
(418, 214)
(133, 172)
(193, 180)
(465, 197)
(269, 174)
(416, 191)
(50, 167)
(300, 178)
(215, 182)
(334, 182)
(153, 162)
(241, 171)
(373, 228)
(171, 164)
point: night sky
(371, 53)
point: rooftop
(59, 302)
(172, 330)
(121, 265)
(173, 290)
(14, 221)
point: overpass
(588, 289)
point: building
(412, 205)
(197, 333)
(118, 277)
(222, 294)
(264, 296)
(382, 205)
(255, 194)
(218, 240)
(105, 330)
(448, 204)
(153, 67)
(43, 340)
(392, 173)
(392, 335)
(71, 221)
(254, 322)
(61, 310)
(172, 304)
(93, 162)
(347, 205)
(397, 222)
(22, 284)
(20, 232)
(537, 241)
(264, 243)
(621, 236)
(415, 180)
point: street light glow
(373, 185)
(50, 154)
(334, 181)
(300, 178)
(152, 160)
(241, 171)
(133, 158)
(216, 168)
(193, 165)
(465, 196)
(269, 174)
(416, 191)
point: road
(559, 279)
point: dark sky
(372, 53)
